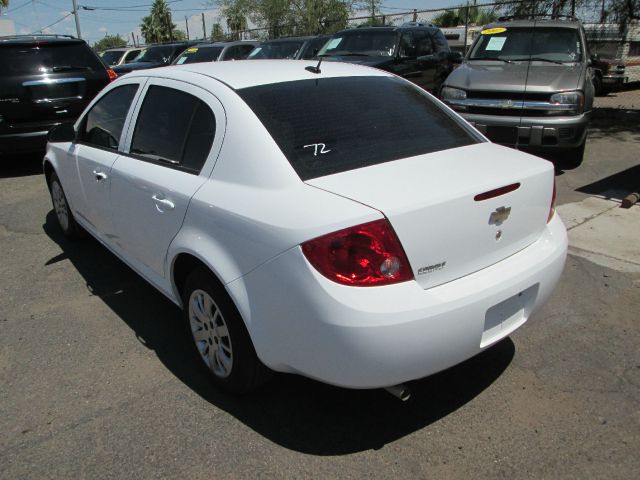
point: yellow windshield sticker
(493, 31)
(192, 49)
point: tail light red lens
(366, 255)
(112, 75)
(552, 208)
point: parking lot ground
(96, 380)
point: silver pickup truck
(527, 83)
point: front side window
(423, 44)
(174, 127)
(330, 125)
(522, 44)
(102, 126)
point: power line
(17, 8)
(51, 24)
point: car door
(407, 65)
(99, 136)
(426, 58)
(171, 148)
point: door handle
(99, 176)
(163, 204)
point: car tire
(66, 220)
(219, 336)
(573, 157)
(597, 86)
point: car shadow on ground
(20, 166)
(292, 411)
(615, 186)
(615, 123)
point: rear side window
(175, 128)
(50, 57)
(331, 125)
(440, 41)
(102, 126)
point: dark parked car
(44, 81)
(415, 51)
(216, 52)
(293, 48)
(608, 74)
(155, 56)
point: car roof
(250, 73)
(390, 28)
(290, 39)
(537, 23)
(39, 39)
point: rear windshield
(275, 50)
(199, 54)
(380, 43)
(160, 54)
(111, 58)
(34, 59)
(521, 44)
(331, 125)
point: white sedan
(338, 223)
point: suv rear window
(330, 125)
(51, 57)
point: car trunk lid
(430, 200)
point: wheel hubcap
(60, 205)
(210, 333)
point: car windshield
(33, 59)
(376, 44)
(199, 54)
(275, 50)
(521, 44)
(111, 58)
(155, 54)
(330, 125)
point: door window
(174, 128)
(423, 43)
(102, 126)
(407, 45)
(130, 57)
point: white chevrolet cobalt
(339, 223)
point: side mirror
(62, 133)
(455, 57)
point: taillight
(366, 255)
(112, 75)
(552, 208)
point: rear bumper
(548, 133)
(614, 80)
(19, 143)
(373, 337)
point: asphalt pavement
(96, 380)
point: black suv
(155, 56)
(416, 51)
(44, 81)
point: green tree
(458, 16)
(110, 41)
(217, 33)
(158, 27)
(4, 3)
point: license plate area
(504, 317)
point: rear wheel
(597, 86)
(219, 335)
(67, 222)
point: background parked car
(415, 51)
(608, 74)
(119, 56)
(293, 48)
(527, 83)
(44, 80)
(216, 52)
(155, 56)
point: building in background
(7, 27)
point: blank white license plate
(503, 318)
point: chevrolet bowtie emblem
(499, 216)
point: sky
(123, 16)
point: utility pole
(204, 28)
(133, 38)
(186, 23)
(373, 12)
(75, 14)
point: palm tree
(157, 26)
(236, 20)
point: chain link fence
(617, 46)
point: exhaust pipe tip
(401, 391)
